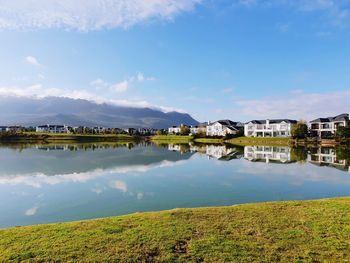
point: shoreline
(248, 141)
(49, 137)
(311, 230)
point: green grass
(248, 141)
(209, 140)
(297, 231)
(172, 139)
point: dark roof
(273, 121)
(228, 123)
(51, 126)
(340, 117)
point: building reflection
(220, 152)
(322, 156)
(327, 156)
(268, 154)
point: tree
(299, 130)
(343, 132)
(184, 130)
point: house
(223, 128)
(14, 129)
(268, 154)
(3, 128)
(147, 131)
(269, 128)
(177, 129)
(323, 127)
(52, 128)
(200, 128)
(99, 130)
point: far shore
(62, 137)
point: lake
(65, 182)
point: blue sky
(237, 59)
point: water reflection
(62, 182)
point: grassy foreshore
(297, 231)
(50, 137)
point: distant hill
(79, 112)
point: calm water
(42, 184)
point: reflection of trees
(343, 153)
(298, 154)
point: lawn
(172, 139)
(296, 231)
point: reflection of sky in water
(38, 186)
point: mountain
(78, 112)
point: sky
(214, 59)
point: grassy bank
(246, 141)
(171, 139)
(51, 137)
(302, 231)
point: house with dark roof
(324, 127)
(269, 128)
(52, 128)
(223, 128)
(3, 128)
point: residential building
(147, 131)
(177, 129)
(268, 154)
(200, 128)
(52, 128)
(223, 128)
(99, 130)
(14, 129)
(323, 127)
(269, 128)
(3, 128)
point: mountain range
(27, 111)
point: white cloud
(120, 87)
(119, 185)
(39, 91)
(99, 83)
(87, 15)
(37, 180)
(297, 105)
(140, 77)
(33, 61)
(31, 211)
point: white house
(269, 128)
(52, 128)
(267, 154)
(200, 128)
(3, 128)
(14, 129)
(177, 129)
(322, 127)
(223, 128)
